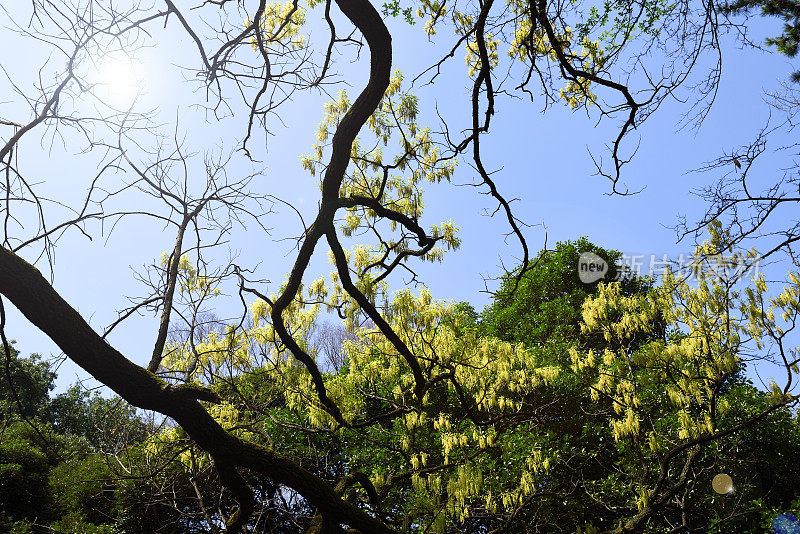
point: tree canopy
(357, 400)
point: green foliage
(75, 523)
(152, 500)
(761, 460)
(549, 410)
(545, 313)
(393, 9)
(628, 16)
(788, 10)
(31, 380)
(104, 423)
(24, 468)
(53, 473)
(546, 304)
(84, 488)
(463, 317)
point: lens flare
(722, 484)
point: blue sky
(544, 159)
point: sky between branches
(543, 159)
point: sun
(117, 81)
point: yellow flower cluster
(707, 321)
(280, 24)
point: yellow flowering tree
(671, 397)
(435, 397)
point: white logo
(591, 267)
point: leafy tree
(24, 467)
(53, 471)
(461, 405)
(83, 488)
(545, 304)
(27, 393)
(520, 436)
(107, 424)
(672, 397)
(758, 459)
(544, 310)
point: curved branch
(374, 314)
(28, 290)
(364, 16)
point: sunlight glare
(118, 84)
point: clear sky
(543, 157)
